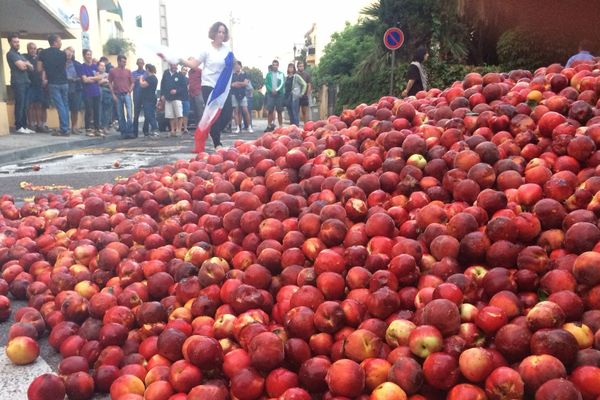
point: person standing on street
(106, 98)
(416, 74)
(121, 85)
(295, 87)
(185, 101)
(583, 53)
(75, 88)
(38, 101)
(305, 99)
(250, 100)
(195, 92)
(137, 92)
(91, 94)
(171, 92)
(239, 81)
(53, 63)
(217, 60)
(148, 84)
(19, 81)
(274, 84)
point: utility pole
(164, 31)
(232, 21)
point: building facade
(82, 24)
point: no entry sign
(393, 38)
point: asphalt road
(89, 166)
(79, 169)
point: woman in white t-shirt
(212, 60)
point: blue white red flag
(214, 105)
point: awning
(33, 19)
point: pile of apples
(443, 246)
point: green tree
(116, 46)
(357, 62)
(345, 51)
(255, 76)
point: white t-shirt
(213, 61)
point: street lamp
(232, 21)
(296, 49)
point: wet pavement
(93, 165)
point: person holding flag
(217, 61)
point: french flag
(215, 104)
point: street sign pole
(392, 74)
(393, 39)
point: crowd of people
(115, 97)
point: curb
(22, 154)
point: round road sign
(84, 19)
(393, 38)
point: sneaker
(30, 131)
(219, 147)
(42, 129)
(22, 131)
(154, 134)
(250, 130)
(75, 131)
(237, 130)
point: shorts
(75, 99)
(239, 103)
(304, 101)
(37, 94)
(273, 102)
(173, 109)
(185, 108)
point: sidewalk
(17, 147)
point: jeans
(137, 109)
(293, 106)
(92, 110)
(21, 92)
(106, 108)
(59, 93)
(124, 100)
(149, 116)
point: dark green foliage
(531, 49)
(345, 51)
(424, 22)
(255, 76)
(116, 46)
(258, 100)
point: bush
(442, 74)
(117, 46)
(355, 89)
(258, 100)
(521, 48)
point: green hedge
(258, 100)
(354, 90)
(522, 48)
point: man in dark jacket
(173, 87)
